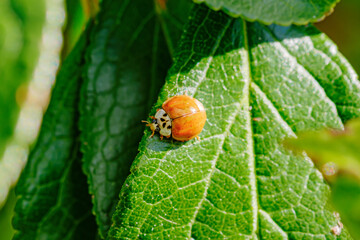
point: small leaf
(337, 154)
(279, 12)
(341, 148)
(127, 63)
(238, 182)
(53, 201)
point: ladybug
(182, 117)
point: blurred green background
(21, 23)
(343, 27)
(25, 25)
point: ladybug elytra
(182, 117)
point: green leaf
(127, 63)
(239, 182)
(279, 12)
(53, 201)
(6, 214)
(76, 20)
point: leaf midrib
(213, 164)
(290, 129)
(251, 138)
(253, 177)
(232, 119)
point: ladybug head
(154, 126)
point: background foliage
(30, 45)
(100, 144)
(337, 154)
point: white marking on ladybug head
(164, 123)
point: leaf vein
(269, 218)
(253, 180)
(313, 77)
(213, 168)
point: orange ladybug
(182, 117)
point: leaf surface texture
(259, 84)
(127, 62)
(283, 12)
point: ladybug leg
(149, 125)
(152, 134)
(161, 137)
(152, 117)
(198, 138)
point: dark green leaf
(258, 86)
(53, 199)
(127, 62)
(279, 12)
